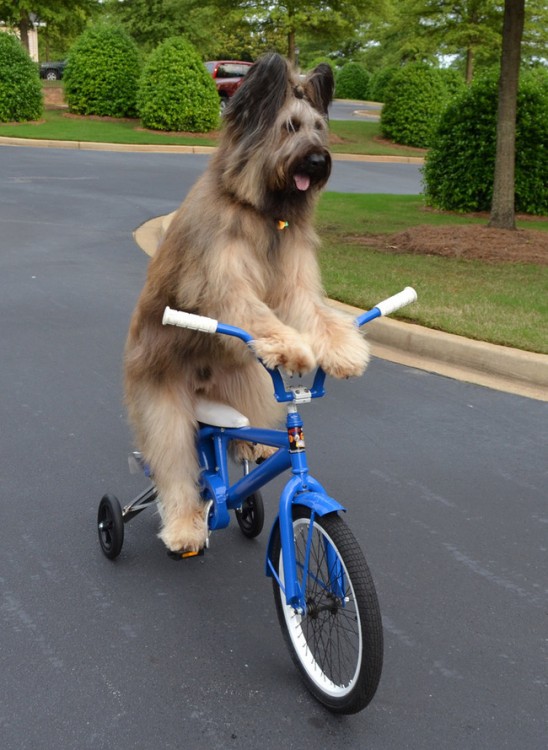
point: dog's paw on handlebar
(346, 355)
(292, 353)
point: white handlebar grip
(188, 320)
(390, 305)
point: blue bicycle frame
(301, 489)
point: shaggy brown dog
(241, 249)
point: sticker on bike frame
(296, 440)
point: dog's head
(275, 138)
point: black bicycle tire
(250, 516)
(362, 687)
(110, 526)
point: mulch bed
(470, 242)
(467, 242)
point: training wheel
(250, 516)
(110, 526)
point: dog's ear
(256, 103)
(319, 87)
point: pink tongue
(302, 181)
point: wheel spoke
(337, 642)
(330, 641)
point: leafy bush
(459, 169)
(352, 82)
(102, 73)
(413, 105)
(319, 61)
(176, 91)
(453, 80)
(539, 73)
(20, 87)
(380, 82)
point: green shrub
(453, 80)
(352, 82)
(319, 61)
(176, 91)
(539, 73)
(413, 105)
(102, 73)
(380, 82)
(459, 169)
(20, 88)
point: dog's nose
(316, 162)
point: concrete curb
(167, 149)
(93, 146)
(499, 367)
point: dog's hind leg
(166, 433)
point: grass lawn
(504, 303)
(348, 137)
(362, 137)
(57, 127)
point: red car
(228, 75)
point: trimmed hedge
(20, 88)
(380, 82)
(102, 73)
(177, 92)
(453, 80)
(459, 169)
(319, 61)
(413, 105)
(352, 82)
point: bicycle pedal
(184, 555)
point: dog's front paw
(347, 357)
(293, 353)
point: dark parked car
(52, 71)
(228, 75)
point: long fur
(224, 256)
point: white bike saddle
(219, 415)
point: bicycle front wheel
(337, 645)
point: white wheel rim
(298, 637)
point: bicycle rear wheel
(337, 645)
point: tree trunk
(503, 205)
(291, 46)
(469, 65)
(24, 26)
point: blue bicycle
(325, 597)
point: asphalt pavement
(346, 109)
(444, 481)
(504, 368)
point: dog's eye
(319, 125)
(293, 126)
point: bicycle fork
(302, 489)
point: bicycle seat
(218, 414)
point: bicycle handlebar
(210, 325)
(188, 320)
(389, 305)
